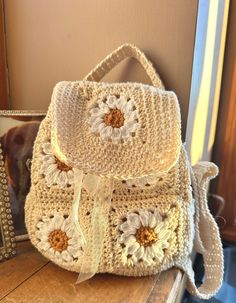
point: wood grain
(225, 146)
(229, 234)
(3, 76)
(52, 284)
(166, 287)
(15, 271)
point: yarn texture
(138, 207)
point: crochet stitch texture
(129, 133)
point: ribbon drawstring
(78, 177)
(100, 190)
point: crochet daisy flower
(144, 238)
(116, 119)
(55, 171)
(58, 238)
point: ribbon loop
(100, 190)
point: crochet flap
(121, 130)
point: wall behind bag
(50, 41)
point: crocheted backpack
(112, 185)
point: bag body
(111, 182)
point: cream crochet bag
(111, 182)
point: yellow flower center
(62, 166)
(115, 118)
(146, 236)
(58, 240)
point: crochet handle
(122, 52)
(207, 238)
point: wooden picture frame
(7, 235)
(18, 130)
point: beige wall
(53, 40)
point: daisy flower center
(62, 166)
(115, 118)
(146, 236)
(58, 240)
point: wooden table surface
(29, 277)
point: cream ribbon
(78, 177)
(100, 190)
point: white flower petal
(116, 133)
(96, 121)
(130, 104)
(147, 259)
(157, 216)
(70, 177)
(139, 253)
(160, 245)
(165, 244)
(57, 254)
(104, 108)
(144, 217)
(130, 262)
(127, 239)
(127, 228)
(38, 234)
(43, 245)
(111, 102)
(40, 224)
(52, 251)
(58, 221)
(134, 220)
(104, 132)
(74, 234)
(121, 103)
(52, 177)
(75, 252)
(51, 168)
(134, 259)
(46, 219)
(66, 256)
(62, 179)
(44, 235)
(158, 253)
(101, 127)
(109, 131)
(164, 233)
(94, 111)
(124, 131)
(47, 148)
(49, 180)
(134, 115)
(131, 249)
(131, 126)
(68, 227)
(73, 241)
(152, 220)
(150, 252)
(160, 226)
(124, 259)
(49, 159)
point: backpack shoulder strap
(207, 238)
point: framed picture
(7, 235)
(18, 130)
